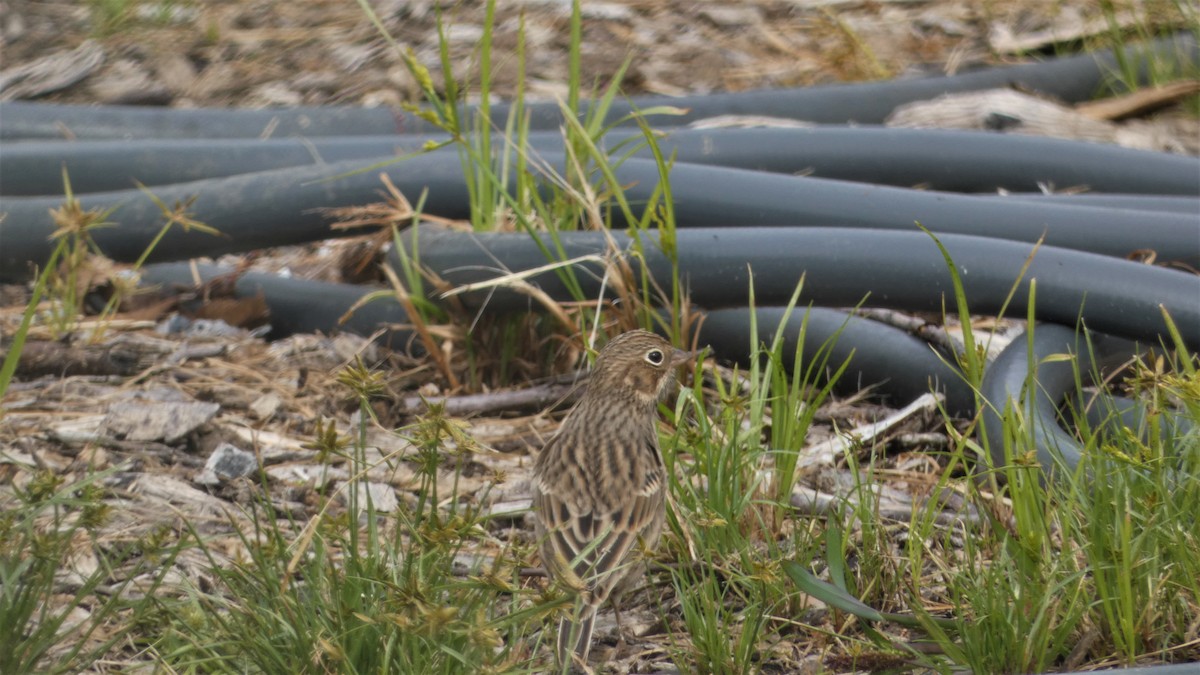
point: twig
(825, 453)
(537, 397)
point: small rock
(94, 457)
(14, 26)
(175, 71)
(348, 345)
(265, 407)
(226, 463)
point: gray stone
(226, 463)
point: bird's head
(639, 363)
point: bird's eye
(654, 357)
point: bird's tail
(575, 636)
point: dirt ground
(216, 387)
(269, 52)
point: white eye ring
(654, 357)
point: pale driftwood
(50, 73)
(815, 502)
(318, 475)
(925, 441)
(164, 453)
(812, 502)
(273, 448)
(509, 510)
(1014, 112)
(1001, 110)
(833, 491)
(81, 429)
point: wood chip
(157, 421)
(382, 497)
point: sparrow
(600, 483)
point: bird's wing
(590, 537)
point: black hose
(707, 196)
(295, 305)
(42, 121)
(35, 167)
(898, 366)
(1024, 378)
(899, 270)
(1071, 79)
(932, 158)
(272, 208)
(280, 207)
(939, 159)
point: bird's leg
(616, 608)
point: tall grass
(69, 596)
(355, 590)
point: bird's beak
(681, 357)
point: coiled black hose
(896, 270)
(934, 159)
(271, 208)
(1023, 378)
(284, 206)
(706, 196)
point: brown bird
(599, 483)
